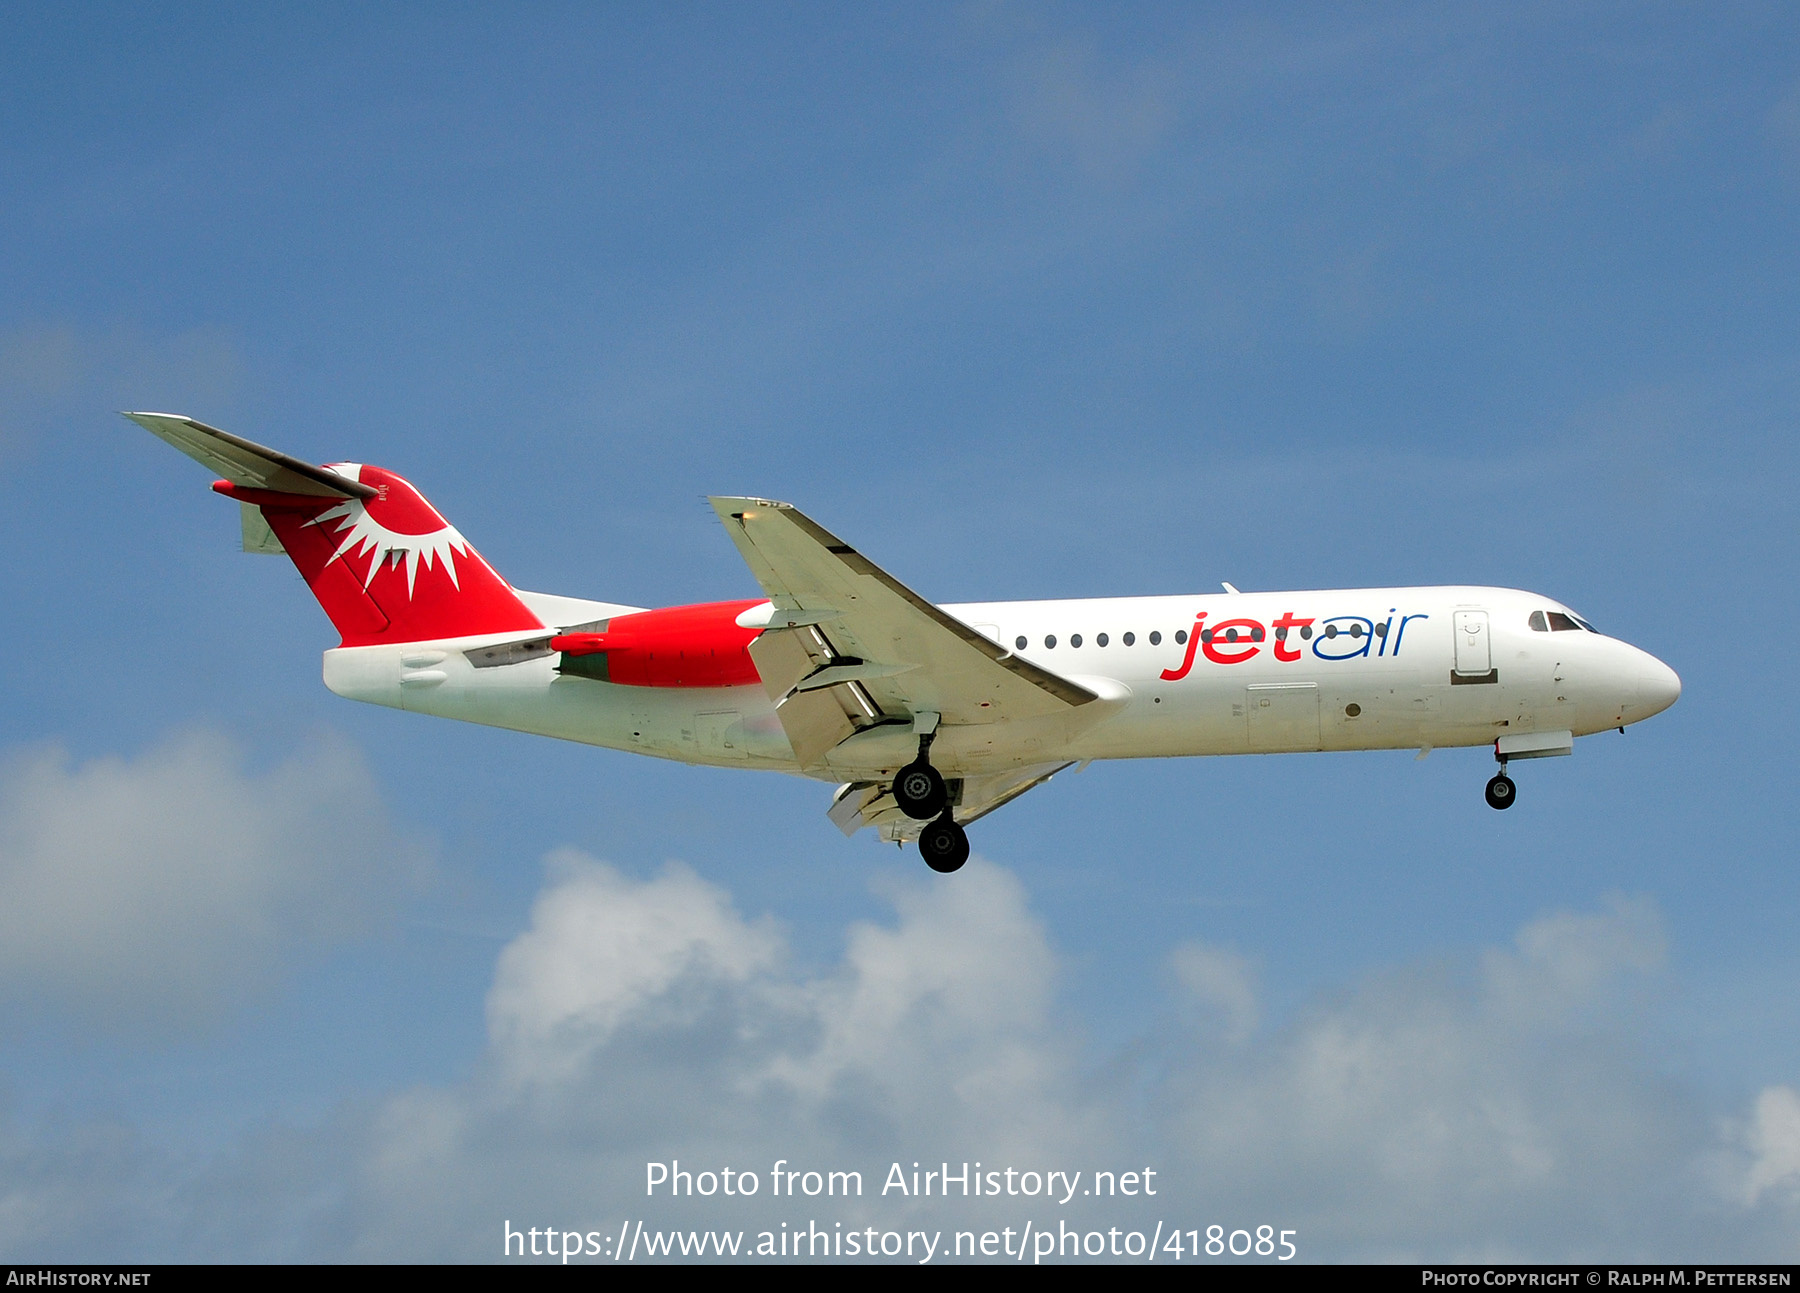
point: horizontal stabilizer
(245, 463)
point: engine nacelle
(676, 646)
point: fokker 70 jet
(926, 716)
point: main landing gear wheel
(944, 845)
(920, 792)
(1500, 791)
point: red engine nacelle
(677, 646)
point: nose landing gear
(1500, 790)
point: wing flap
(819, 718)
(815, 723)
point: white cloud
(1499, 1106)
(169, 887)
(1773, 1141)
(1434, 1112)
(602, 949)
(1494, 1108)
(637, 1021)
(1218, 981)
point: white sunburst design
(366, 533)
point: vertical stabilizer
(391, 568)
(384, 564)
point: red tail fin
(389, 568)
(382, 562)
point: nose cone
(1658, 686)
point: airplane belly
(728, 726)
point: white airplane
(927, 716)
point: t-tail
(381, 560)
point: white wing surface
(849, 646)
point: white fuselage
(1369, 669)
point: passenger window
(1050, 641)
(1155, 637)
(1101, 640)
(1180, 636)
(1130, 638)
(1538, 625)
(1075, 639)
(1019, 643)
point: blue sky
(1027, 301)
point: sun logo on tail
(367, 535)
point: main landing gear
(943, 844)
(1500, 790)
(920, 791)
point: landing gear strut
(1500, 790)
(944, 845)
(920, 792)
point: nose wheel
(944, 845)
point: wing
(871, 803)
(849, 646)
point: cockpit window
(1538, 623)
(1584, 624)
(1560, 623)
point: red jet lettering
(1187, 662)
(1284, 626)
(1219, 648)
